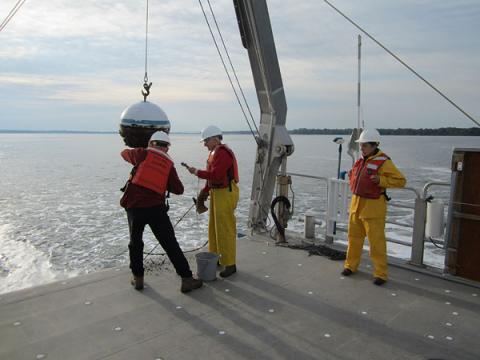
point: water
(59, 195)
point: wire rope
(233, 68)
(12, 13)
(227, 72)
(145, 78)
(403, 63)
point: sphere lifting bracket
(146, 90)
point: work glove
(201, 198)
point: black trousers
(158, 220)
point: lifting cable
(12, 13)
(403, 63)
(146, 84)
(227, 72)
(233, 68)
(265, 211)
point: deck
(282, 304)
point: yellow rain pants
(367, 218)
(222, 225)
(374, 229)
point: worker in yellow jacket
(370, 176)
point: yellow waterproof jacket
(390, 177)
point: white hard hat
(160, 136)
(210, 131)
(369, 135)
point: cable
(228, 74)
(12, 13)
(145, 78)
(174, 226)
(264, 211)
(433, 242)
(233, 68)
(404, 64)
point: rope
(145, 78)
(12, 13)
(226, 71)
(174, 226)
(265, 211)
(404, 64)
(433, 242)
(233, 68)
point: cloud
(91, 53)
(105, 90)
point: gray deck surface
(281, 304)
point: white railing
(336, 218)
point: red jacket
(221, 161)
(139, 197)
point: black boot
(229, 270)
(137, 282)
(347, 272)
(379, 281)
(189, 284)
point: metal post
(339, 141)
(330, 226)
(339, 160)
(449, 249)
(359, 124)
(283, 181)
(418, 236)
(309, 226)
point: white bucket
(207, 265)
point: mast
(360, 124)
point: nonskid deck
(282, 304)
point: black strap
(166, 200)
(132, 174)
(388, 198)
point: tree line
(446, 131)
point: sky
(75, 65)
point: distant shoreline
(448, 131)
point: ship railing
(338, 197)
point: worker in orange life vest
(222, 179)
(144, 200)
(371, 174)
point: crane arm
(274, 144)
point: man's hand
(375, 179)
(192, 170)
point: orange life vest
(232, 172)
(360, 181)
(153, 172)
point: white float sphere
(145, 114)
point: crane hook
(146, 92)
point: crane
(274, 143)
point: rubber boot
(379, 281)
(347, 272)
(189, 284)
(137, 282)
(229, 270)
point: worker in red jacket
(152, 176)
(221, 185)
